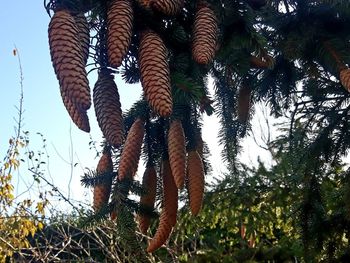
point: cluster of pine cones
(175, 171)
(69, 48)
(69, 39)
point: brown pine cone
(79, 117)
(170, 193)
(204, 35)
(129, 159)
(103, 190)
(195, 174)
(345, 78)
(155, 76)
(162, 234)
(149, 183)
(68, 59)
(84, 34)
(167, 7)
(243, 106)
(177, 152)
(108, 109)
(119, 25)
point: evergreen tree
(292, 55)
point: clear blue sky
(25, 25)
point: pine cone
(84, 34)
(132, 151)
(103, 190)
(119, 25)
(155, 77)
(195, 174)
(243, 107)
(167, 7)
(149, 183)
(345, 78)
(170, 193)
(108, 109)
(177, 152)
(162, 234)
(68, 60)
(79, 117)
(204, 35)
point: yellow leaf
(40, 225)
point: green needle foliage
(289, 53)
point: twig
(55, 189)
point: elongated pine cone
(162, 234)
(119, 27)
(243, 106)
(132, 150)
(68, 59)
(204, 35)
(155, 76)
(108, 109)
(78, 116)
(345, 78)
(149, 183)
(170, 193)
(167, 7)
(84, 34)
(177, 152)
(103, 190)
(195, 174)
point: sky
(25, 28)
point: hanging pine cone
(103, 190)
(243, 107)
(149, 183)
(195, 174)
(79, 117)
(345, 78)
(167, 7)
(170, 193)
(132, 151)
(108, 109)
(204, 35)
(177, 152)
(84, 34)
(119, 27)
(162, 233)
(155, 77)
(68, 59)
